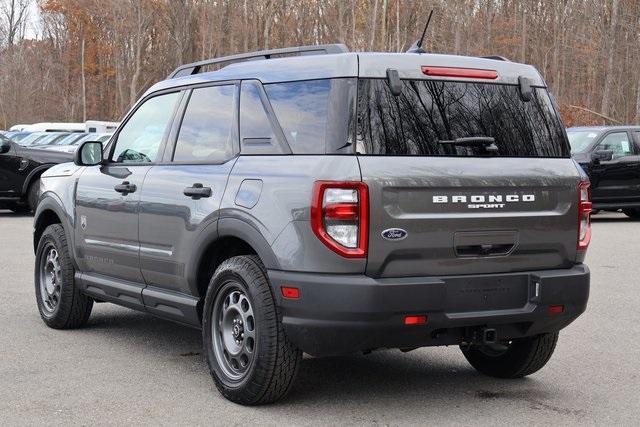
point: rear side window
(254, 123)
(207, 126)
(430, 112)
(302, 110)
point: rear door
(439, 208)
(181, 196)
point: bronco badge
(394, 234)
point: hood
(63, 169)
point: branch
(596, 113)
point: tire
(33, 195)
(632, 213)
(239, 291)
(521, 357)
(60, 303)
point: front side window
(430, 116)
(140, 138)
(206, 130)
(618, 143)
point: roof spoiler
(196, 67)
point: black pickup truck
(610, 155)
(20, 170)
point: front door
(616, 180)
(181, 197)
(108, 196)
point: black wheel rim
(50, 278)
(233, 330)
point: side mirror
(88, 154)
(602, 156)
(5, 146)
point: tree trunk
(609, 78)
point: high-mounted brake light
(584, 215)
(469, 73)
(340, 216)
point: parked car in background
(38, 139)
(17, 136)
(610, 155)
(69, 144)
(20, 170)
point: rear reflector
(469, 73)
(556, 309)
(290, 293)
(584, 215)
(415, 320)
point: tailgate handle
(483, 250)
(485, 243)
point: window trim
(172, 141)
(113, 141)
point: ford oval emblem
(394, 234)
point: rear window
(428, 113)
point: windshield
(580, 140)
(430, 117)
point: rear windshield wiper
(487, 142)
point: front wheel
(512, 359)
(249, 357)
(59, 300)
(632, 213)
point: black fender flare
(29, 179)
(51, 202)
(229, 227)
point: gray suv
(320, 201)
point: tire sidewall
(51, 238)
(248, 283)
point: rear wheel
(632, 213)
(249, 357)
(60, 303)
(512, 359)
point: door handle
(125, 188)
(197, 191)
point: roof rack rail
(496, 57)
(321, 49)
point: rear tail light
(340, 217)
(469, 73)
(584, 215)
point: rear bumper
(338, 314)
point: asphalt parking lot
(128, 367)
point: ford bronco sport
(320, 201)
